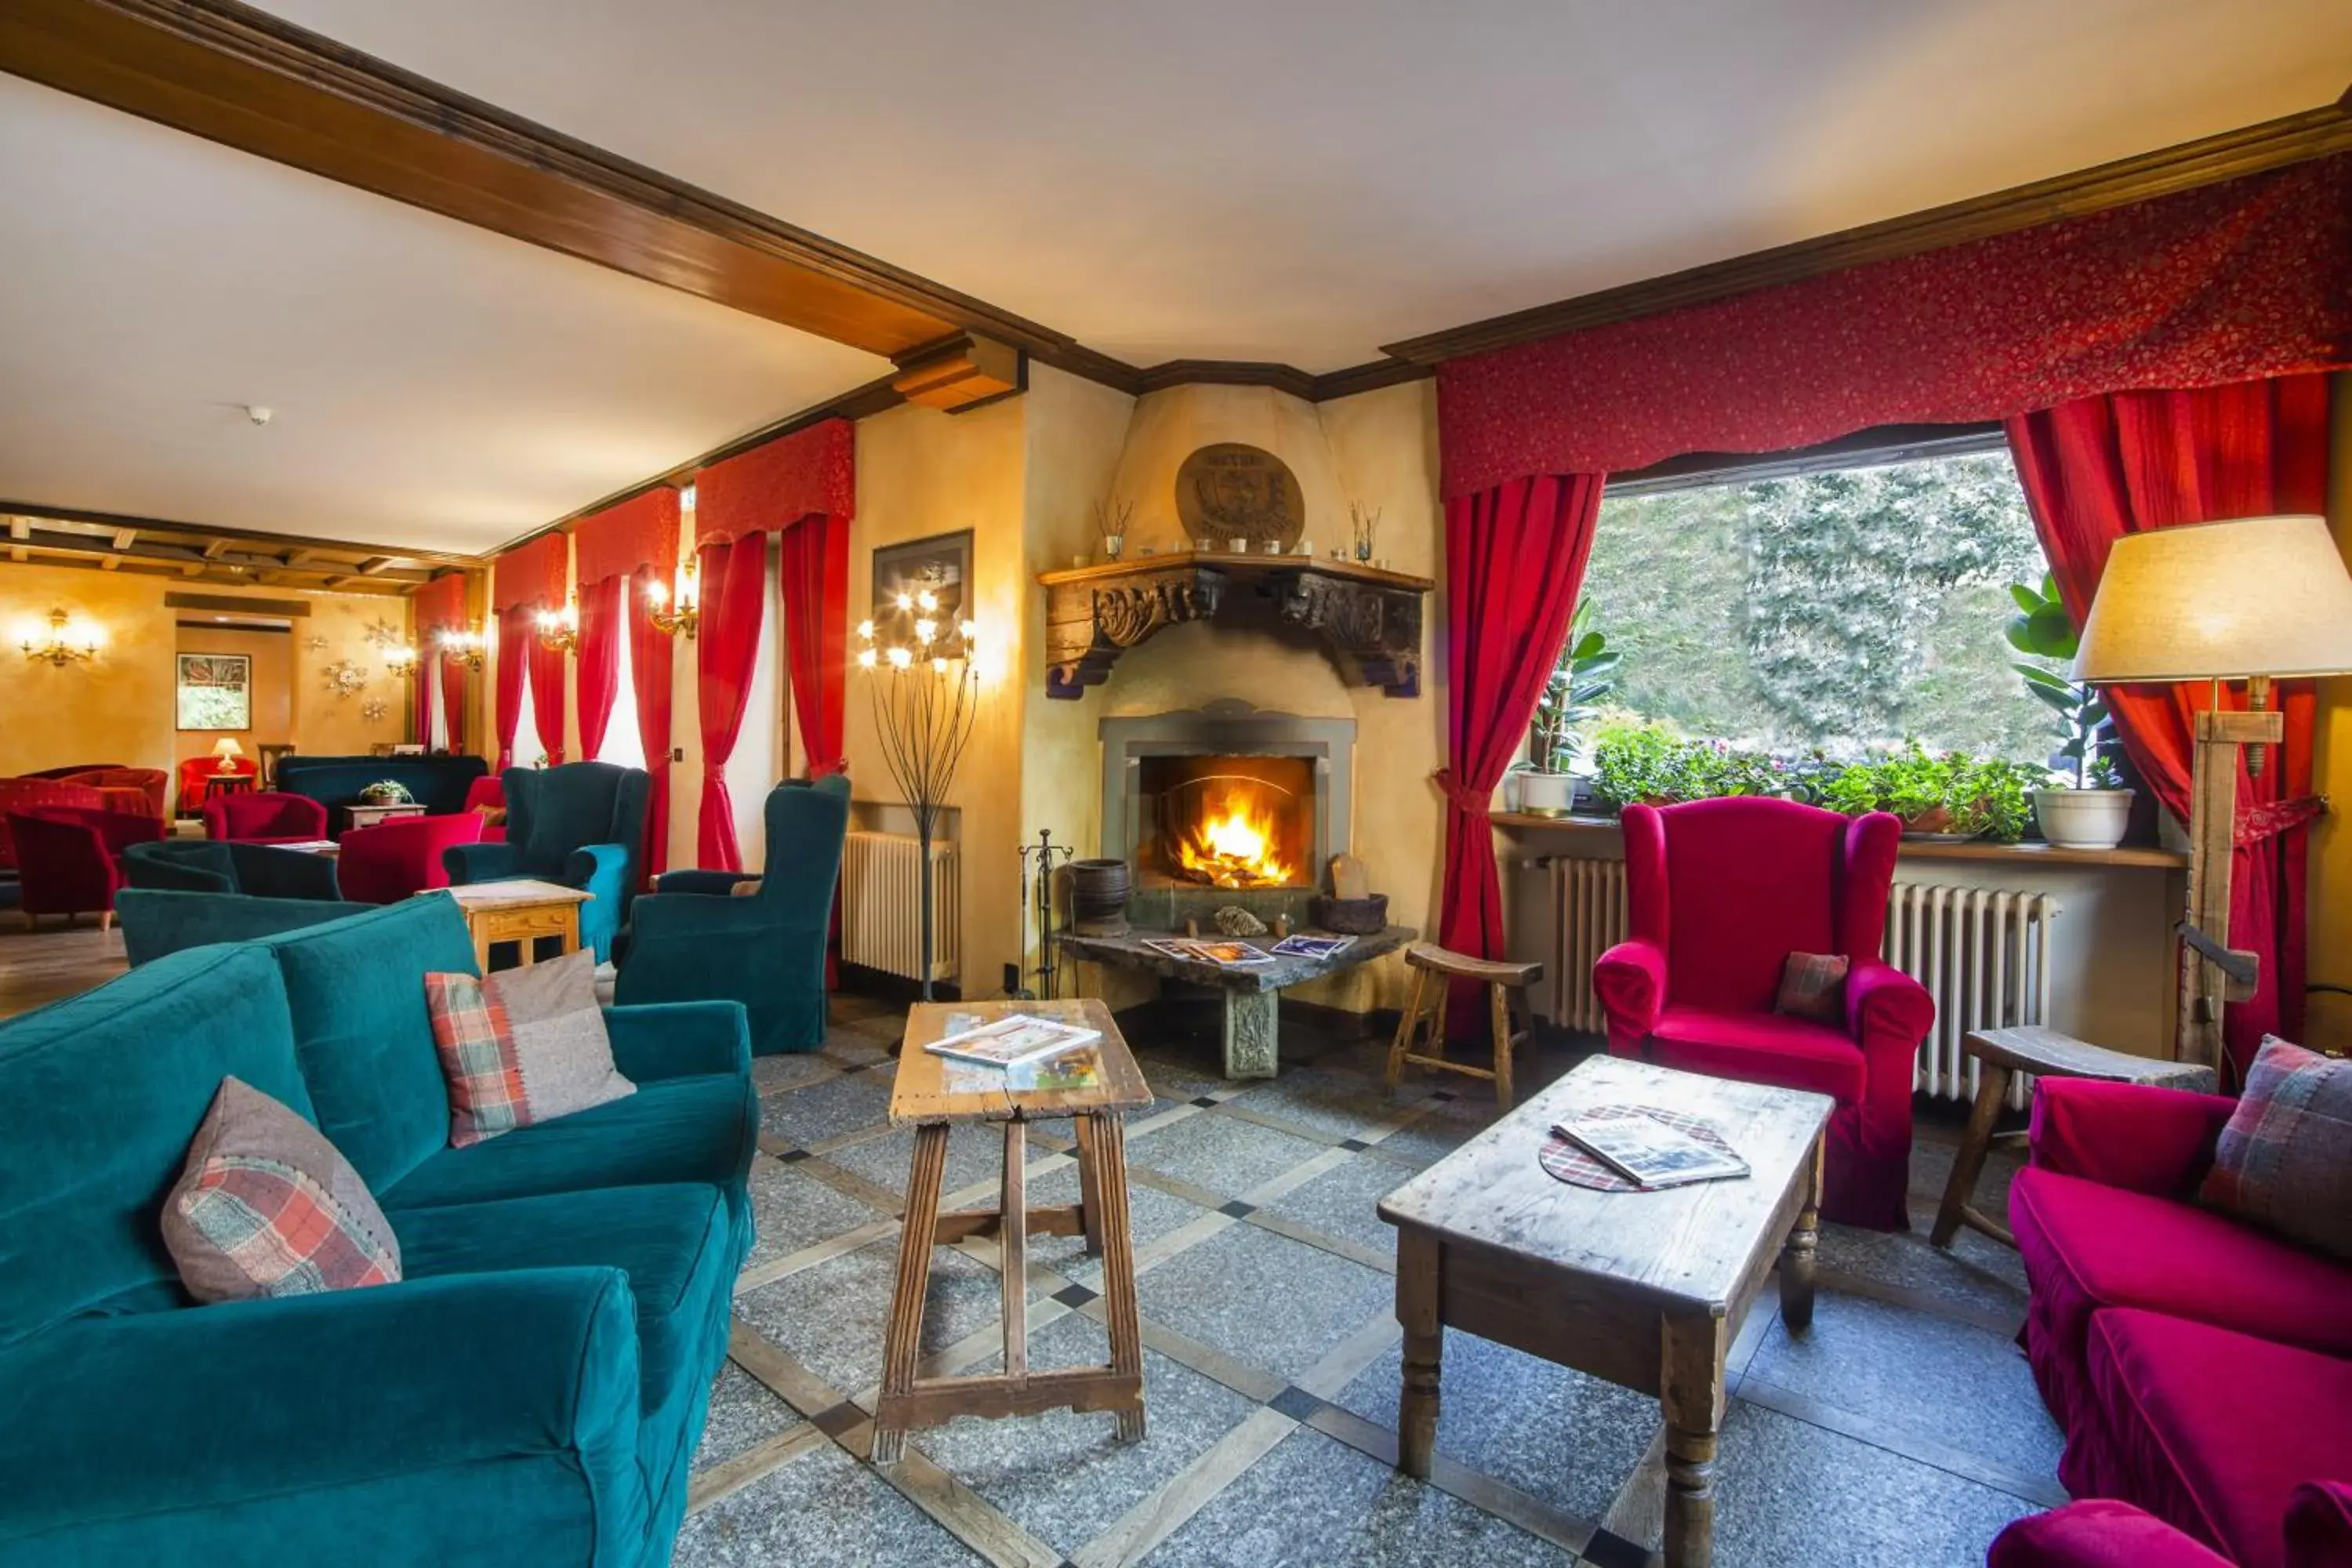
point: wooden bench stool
(2000, 1054)
(1431, 967)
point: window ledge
(2129, 854)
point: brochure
(1312, 946)
(1648, 1151)
(1232, 955)
(1015, 1037)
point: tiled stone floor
(1903, 1430)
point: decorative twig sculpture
(926, 693)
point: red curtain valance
(640, 531)
(439, 607)
(2238, 281)
(536, 573)
(777, 483)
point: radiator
(1982, 954)
(881, 898)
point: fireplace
(1224, 805)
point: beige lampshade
(2259, 595)
(227, 747)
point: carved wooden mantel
(1370, 617)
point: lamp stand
(2206, 981)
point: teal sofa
(579, 825)
(531, 1393)
(690, 939)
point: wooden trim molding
(2273, 144)
(107, 541)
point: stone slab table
(1251, 992)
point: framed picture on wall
(941, 564)
(216, 691)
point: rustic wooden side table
(2002, 1053)
(520, 911)
(931, 1094)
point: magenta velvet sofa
(2200, 1368)
(1718, 893)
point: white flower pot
(1547, 794)
(2083, 818)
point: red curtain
(453, 696)
(649, 674)
(516, 631)
(734, 594)
(1513, 563)
(546, 691)
(437, 608)
(599, 663)
(2100, 467)
(816, 633)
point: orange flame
(1232, 844)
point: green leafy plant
(1650, 764)
(1956, 792)
(387, 792)
(2086, 739)
(1572, 698)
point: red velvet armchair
(128, 789)
(194, 771)
(400, 855)
(486, 795)
(1718, 893)
(266, 818)
(69, 861)
(21, 797)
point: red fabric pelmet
(777, 483)
(639, 532)
(2237, 282)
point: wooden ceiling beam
(20, 528)
(248, 80)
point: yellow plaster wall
(119, 708)
(2328, 1023)
(922, 473)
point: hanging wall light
(560, 629)
(464, 647)
(678, 610)
(68, 641)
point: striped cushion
(2284, 1160)
(1812, 985)
(525, 1046)
(266, 1207)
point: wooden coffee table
(520, 911)
(1645, 1289)
(932, 1094)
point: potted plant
(1558, 751)
(2089, 808)
(387, 792)
(1952, 797)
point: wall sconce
(68, 640)
(559, 630)
(672, 614)
(465, 646)
(400, 661)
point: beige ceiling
(1304, 180)
(431, 385)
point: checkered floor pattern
(1903, 1430)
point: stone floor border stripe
(727, 1479)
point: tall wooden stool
(2000, 1054)
(931, 1094)
(1431, 967)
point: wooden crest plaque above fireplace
(1369, 618)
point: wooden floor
(39, 967)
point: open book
(1015, 1037)
(1648, 1151)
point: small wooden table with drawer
(520, 911)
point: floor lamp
(2257, 599)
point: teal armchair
(579, 825)
(214, 865)
(159, 921)
(690, 939)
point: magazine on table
(1192, 950)
(1312, 946)
(1014, 1038)
(1648, 1151)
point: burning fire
(1232, 843)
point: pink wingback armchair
(1718, 893)
(387, 863)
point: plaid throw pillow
(1812, 985)
(2285, 1162)
(524, 1046)
(267, 1207)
